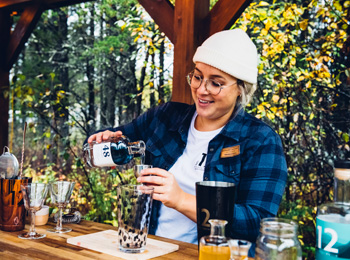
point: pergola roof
(186, 24)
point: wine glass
(60, 194)
(34, 195)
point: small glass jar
(112, 152)
(278, 240)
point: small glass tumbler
(139, 167)
(239, 249)
(134, 212)
(278, 240)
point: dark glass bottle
(112, 152)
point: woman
(214, 139)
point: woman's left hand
(166, 188)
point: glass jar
(278, 240)
(333, 219)
(215, 246)
(113, 152)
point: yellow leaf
(261, 108)
(273, 109)
(312, 115)
(340, 45)
(301, 78)
(275, 98)
(263, 32)
(303, 24)
(262, 3)
(135, 40)
(293, 61)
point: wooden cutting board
(107, 242)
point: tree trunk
(60, 109)
(90, 72)
(161, 71)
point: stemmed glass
(34, 195)
(60, 194)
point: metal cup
(215, 200)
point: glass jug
(215, 246)
(333, 218)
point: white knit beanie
(230, 51)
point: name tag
(230, 151)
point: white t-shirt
(188, 169)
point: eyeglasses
(212, 86)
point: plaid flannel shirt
(259, 170)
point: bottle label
(102, 155)
(332, 237)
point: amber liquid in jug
(215, 246)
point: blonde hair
(247, 91)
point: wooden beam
(224, 14)
(47, 4)
(162, 12)
(13, 3)
(190, 31)
(24, 28)
(5, 28)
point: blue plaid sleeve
(262, 183)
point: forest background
(103, 63)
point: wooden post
(5, 25)
(190, 28)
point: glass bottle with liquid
(113, 152)
(215, 246)
(333, 219)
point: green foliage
(302, 89)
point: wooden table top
(54, 246)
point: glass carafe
(333, 219)
(113, 152)
(278, 240)
(215, 246)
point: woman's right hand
(104, 136)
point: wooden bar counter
(55, 246)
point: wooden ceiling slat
(224, 14)
(13, 3)
(23, 29)
(162, 12)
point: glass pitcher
(215, 246)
